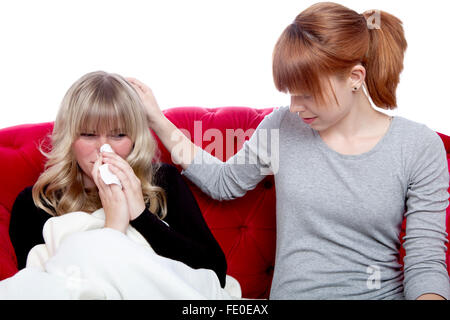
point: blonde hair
(98, 101)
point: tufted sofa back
(245, 227)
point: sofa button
(269, 270)
(268, 184)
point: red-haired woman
(346, 174)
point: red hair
(329, 39)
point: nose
(295, 108)
(102, 139)
(297, 104)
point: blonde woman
(102, 108)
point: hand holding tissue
(107, 176)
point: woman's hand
(132, 187)
(154, 113)
(430, 296)
(113, 201)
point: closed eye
(87, 134)
(119, 135)
(93, 135)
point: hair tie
(373, 20)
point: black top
(187, 238)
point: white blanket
(82, 260)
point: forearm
(182, 149)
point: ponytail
(384, 58)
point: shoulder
(414, 127)
(166, 174)
(282, 118)
(164, 170)
(422, 148)
(275, 118)
(419, 136)
(25, 196)
(24, 205)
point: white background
(193, 53)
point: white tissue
(106, 148)
(107, 176)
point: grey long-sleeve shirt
(339, 216)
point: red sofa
(245, 227)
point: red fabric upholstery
(245, 227)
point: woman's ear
(357, 77)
